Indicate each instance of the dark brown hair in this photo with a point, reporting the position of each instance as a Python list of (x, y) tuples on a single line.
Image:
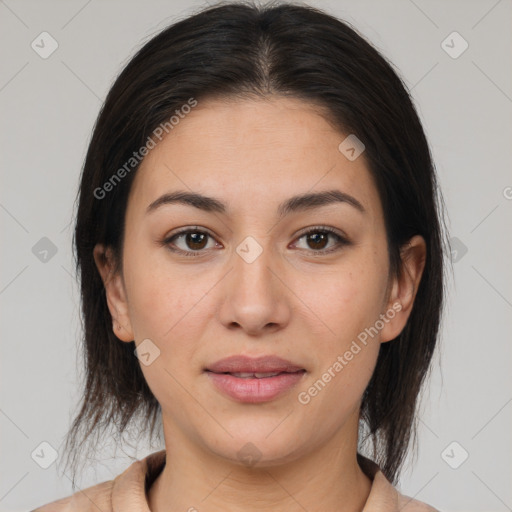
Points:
[(244, 50)]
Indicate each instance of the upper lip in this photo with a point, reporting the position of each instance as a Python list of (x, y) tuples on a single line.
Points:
[(262, 364)]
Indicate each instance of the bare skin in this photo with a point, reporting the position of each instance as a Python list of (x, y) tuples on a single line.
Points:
[(292, 301)]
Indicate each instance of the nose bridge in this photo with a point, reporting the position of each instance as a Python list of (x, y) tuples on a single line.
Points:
[(252, 260), (253, 299)]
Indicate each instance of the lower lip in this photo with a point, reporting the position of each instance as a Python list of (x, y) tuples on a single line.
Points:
[(253, 390)]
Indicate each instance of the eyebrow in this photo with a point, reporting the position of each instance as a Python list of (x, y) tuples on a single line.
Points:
[(294, 204)]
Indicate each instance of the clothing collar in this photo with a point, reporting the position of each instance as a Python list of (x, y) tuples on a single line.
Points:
[(130, 488)]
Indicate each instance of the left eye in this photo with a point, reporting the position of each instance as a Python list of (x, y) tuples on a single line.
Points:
[(318, 239)]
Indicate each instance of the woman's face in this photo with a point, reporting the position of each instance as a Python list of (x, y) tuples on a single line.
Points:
[(249, 281)]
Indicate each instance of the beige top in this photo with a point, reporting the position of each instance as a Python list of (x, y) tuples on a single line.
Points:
[(128, 491)]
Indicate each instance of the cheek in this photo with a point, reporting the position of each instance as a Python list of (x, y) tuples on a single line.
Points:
[(162, 301), (346, 358), (169, 308), (348, 299), (349, 303)]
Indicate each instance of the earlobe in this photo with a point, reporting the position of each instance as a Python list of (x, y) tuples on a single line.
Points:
[(115, 292), (404, 287)]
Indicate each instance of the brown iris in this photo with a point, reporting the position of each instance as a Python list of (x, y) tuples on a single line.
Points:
[(196, 241), (318, 240)]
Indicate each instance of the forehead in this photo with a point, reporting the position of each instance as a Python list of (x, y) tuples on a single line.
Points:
[(252, 152)]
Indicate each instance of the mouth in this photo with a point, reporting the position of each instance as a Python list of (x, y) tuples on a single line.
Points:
[(255, 375), (253, 365), (254, 380)]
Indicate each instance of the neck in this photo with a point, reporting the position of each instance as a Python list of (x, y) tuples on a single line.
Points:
[(327, 479)]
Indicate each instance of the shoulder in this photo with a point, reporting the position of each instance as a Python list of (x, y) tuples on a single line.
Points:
[(121, 493), (94, 498), (386, 497), (407, 504)]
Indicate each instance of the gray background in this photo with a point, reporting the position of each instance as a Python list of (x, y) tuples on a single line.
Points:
[(48, 110)]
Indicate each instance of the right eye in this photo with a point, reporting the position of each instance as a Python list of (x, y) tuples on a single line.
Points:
[(192, 241)]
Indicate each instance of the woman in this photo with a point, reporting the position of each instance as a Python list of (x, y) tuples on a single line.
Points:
[(261, 260)]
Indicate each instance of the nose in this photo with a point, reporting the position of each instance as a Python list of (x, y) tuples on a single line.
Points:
[(255, 298)]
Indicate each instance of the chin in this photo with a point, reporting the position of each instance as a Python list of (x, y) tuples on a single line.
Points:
[(258, 444)]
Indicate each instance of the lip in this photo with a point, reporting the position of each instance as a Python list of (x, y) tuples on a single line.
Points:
[(254, 390), (262, 364)]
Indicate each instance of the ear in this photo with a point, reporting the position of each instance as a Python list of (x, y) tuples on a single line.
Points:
[(404, 287), (115, 293)]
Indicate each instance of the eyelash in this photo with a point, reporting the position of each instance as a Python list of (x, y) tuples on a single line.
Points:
[(342, 241)]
